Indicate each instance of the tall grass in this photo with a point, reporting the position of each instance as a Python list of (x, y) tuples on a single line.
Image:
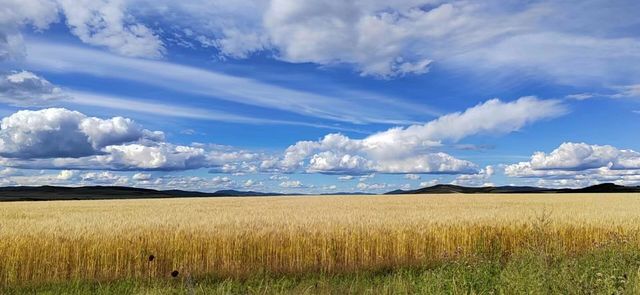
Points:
[(48, 242)]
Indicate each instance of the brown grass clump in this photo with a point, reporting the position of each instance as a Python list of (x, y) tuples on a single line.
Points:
[(237, 237)]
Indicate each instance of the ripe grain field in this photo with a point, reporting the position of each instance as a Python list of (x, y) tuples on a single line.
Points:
[(240, 238)]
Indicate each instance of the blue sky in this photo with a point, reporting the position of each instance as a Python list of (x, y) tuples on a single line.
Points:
[(319, 96)]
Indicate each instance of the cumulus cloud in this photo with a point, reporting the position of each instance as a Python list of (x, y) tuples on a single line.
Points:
[(58, 138), (162, 156), (218, 180), (372, 187), (411, 149), (291, 184), (63, 139), (107, 23), (25, 88), (141, 176), (582, 156), (104, 177), (278, 177), (67, 175), (192, 183), (339, 154), (580, 163), (64, 178), (250, 183), (16, 14), (482, 178), (57, 132), (412, 176)]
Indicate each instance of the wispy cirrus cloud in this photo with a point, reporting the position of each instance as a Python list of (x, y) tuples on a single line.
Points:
[(150, 106), (350, 106), (24, 88)]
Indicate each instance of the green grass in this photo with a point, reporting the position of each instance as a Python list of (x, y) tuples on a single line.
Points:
[(608, 270)]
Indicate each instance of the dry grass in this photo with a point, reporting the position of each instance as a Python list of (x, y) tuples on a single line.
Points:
[(236, 237)]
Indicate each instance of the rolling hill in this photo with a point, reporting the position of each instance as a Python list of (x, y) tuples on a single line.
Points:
[(49, 193), (456, 189)]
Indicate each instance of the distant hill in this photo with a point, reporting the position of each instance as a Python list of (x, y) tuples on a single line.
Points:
[(456, 189), (35, 193), (50, 193)]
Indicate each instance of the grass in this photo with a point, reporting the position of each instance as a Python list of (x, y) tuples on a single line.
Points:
[(602, 271), (473, 244)]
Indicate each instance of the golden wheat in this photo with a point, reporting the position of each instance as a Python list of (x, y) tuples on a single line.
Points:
[(235, 237)]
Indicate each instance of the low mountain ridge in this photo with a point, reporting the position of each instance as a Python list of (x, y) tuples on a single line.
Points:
[(50, 193), (456, 189)]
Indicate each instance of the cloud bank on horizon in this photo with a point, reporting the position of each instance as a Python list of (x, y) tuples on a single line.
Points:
[(319, 96)]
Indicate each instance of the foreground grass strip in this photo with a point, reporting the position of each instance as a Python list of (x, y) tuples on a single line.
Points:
[(611, 270)]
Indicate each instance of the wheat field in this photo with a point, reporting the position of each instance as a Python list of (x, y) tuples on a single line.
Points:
[(237, 237)]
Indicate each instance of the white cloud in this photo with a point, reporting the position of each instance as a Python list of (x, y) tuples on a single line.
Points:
[(412, 176), (218, 180), (372, 187), (26, 88), (65, 178), (332, 187), (162, 156), (59, 138), (106, 23), (67, 174), (481, 178), (382, 38), (429, 183), (579, 164), (291, 184), (141, 176), (278, 177), (10, 172), (411, 149), (59, 132), (492, 117), (406, 186), (628, 91), (250, 183), (104, 177), (367, 176), (16, 14), (146, 106), (391, 39), (100, 23), (570, 41), (580, 96), (63, 139), (582, 156), (344, 105), (345, 177)]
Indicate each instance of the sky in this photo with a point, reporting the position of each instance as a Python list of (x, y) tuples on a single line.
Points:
[(319, 96)]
